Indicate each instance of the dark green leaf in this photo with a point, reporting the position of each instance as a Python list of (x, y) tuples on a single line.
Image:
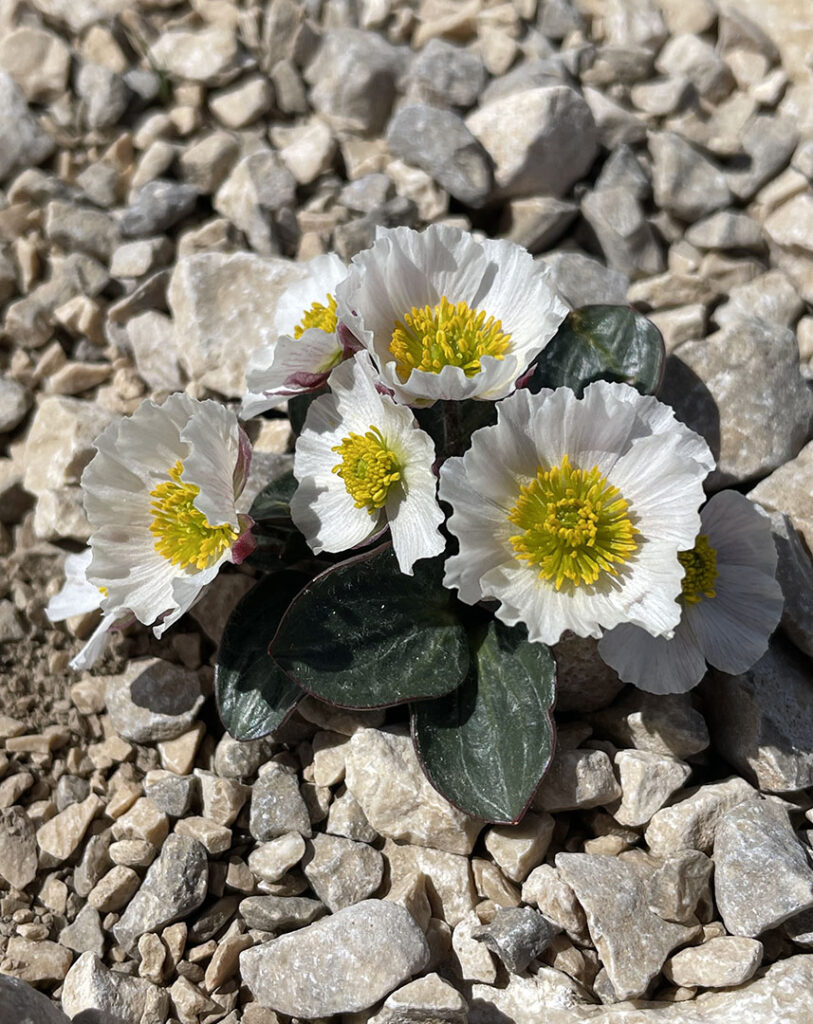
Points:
[(451, 424), (253, 694), (274, 500), (602, 343), (298, 409), (486, 746), (365, 635)]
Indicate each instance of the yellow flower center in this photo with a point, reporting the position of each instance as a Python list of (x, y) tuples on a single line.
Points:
[(446, 335), (368, 467), (575, 525), (319, 315), (182, 533), (700, 565)]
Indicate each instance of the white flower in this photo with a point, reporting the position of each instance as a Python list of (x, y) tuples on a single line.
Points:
[(730, 601), (160, 496), (447, 317), (78, 597), (571, 512), (307, 344), (362, 464)]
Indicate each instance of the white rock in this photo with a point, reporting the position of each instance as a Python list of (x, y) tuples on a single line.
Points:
[(22, 142), (60, 442), (153, 700), (210, 56), (691, 823), (38, 61), (719, 963), (577, 779), (89, 985), (647, 782)]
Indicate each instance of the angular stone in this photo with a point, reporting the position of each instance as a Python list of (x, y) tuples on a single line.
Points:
[(280, 913), (517, 935), (59, 443), (647, 782), (24, 1005), (143, 820), (691, 823), (22, 142), (37, 962), (448, 151), (519, 848), (537, 222), (346, 818), (38, 61), (448, 878), (770, 741), (795, 575), (277, 806), (719, 963), (741, 388), (214, 837), (444, 74), (583, 281), (113, 891), (577, 779), (678, 885), (771, 296), (340, 871), (616, 125), (726, 230), (259, 186), (206, 293), (624, 234), (684, 181), (153, 700), (84, 934), (90, 986), (762, 874), (271, 860), (210, 56), (474, 961), (341, 964), (427, 1000), (241, 104), (541, 140), (408, 808), (308, 150), (172, 794), (59, 837), (158, 206), (174, 886), (18, 848), (768, 141), (613, 896), (152, 342), (696, 59), (222, 799)]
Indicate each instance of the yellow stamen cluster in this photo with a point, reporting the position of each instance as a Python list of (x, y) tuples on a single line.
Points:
[(182, 533), (446, 335), (700, 565), (319, 315), (368, 467), (575, 525)]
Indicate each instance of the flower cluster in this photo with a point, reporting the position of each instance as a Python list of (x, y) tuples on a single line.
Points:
[(567, 511)]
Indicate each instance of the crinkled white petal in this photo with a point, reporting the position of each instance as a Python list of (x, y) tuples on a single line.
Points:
[(320, 278), (77, 596), (97, 641), (133, 456), (323, 509), (405, 269), (653, 663), (291, 367), (659, 475)]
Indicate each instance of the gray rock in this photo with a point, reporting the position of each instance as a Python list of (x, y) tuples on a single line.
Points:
[(530, 74), (582, 281), (22, 142), (174, 886), (770, 296), (685, 182), (768, 740), (623, 170), (158, 206), (18, 848), (447, 151), (237, 759), (172, 794), (537, 222), (662, 723), (38, 61), (661, 96), (762, 875), (726, 230), (210, 56), (84, 934), (280, 913), (613, 64), (277, 807), (103, 96), (346, 818), (517, 935), (742, 390), (342, 964), (577, 779), (616, 125), (691, 823), (70, 790), (258, 187), (24, 1005), (223, 307), (152, 342), (340, 871), (445, 75), (624, 234), (584, 682), (768, 142), (697, 60), (427, 1000), (15, 401), (206, 164), (115, 997), (633, 943), (795, 575), (78, 228), (541, 141), (100, 184), (408, 809), (367, 193), (719, 963), (353, 79), (677, 886), (153, 700)]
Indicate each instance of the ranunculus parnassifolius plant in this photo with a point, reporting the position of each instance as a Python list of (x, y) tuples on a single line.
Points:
[(363, 464), (307, 344), (446, 316), (730, 604), (161, 495), (571, 512)]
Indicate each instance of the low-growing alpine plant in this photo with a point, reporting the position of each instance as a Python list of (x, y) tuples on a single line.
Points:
[(477, 472)]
